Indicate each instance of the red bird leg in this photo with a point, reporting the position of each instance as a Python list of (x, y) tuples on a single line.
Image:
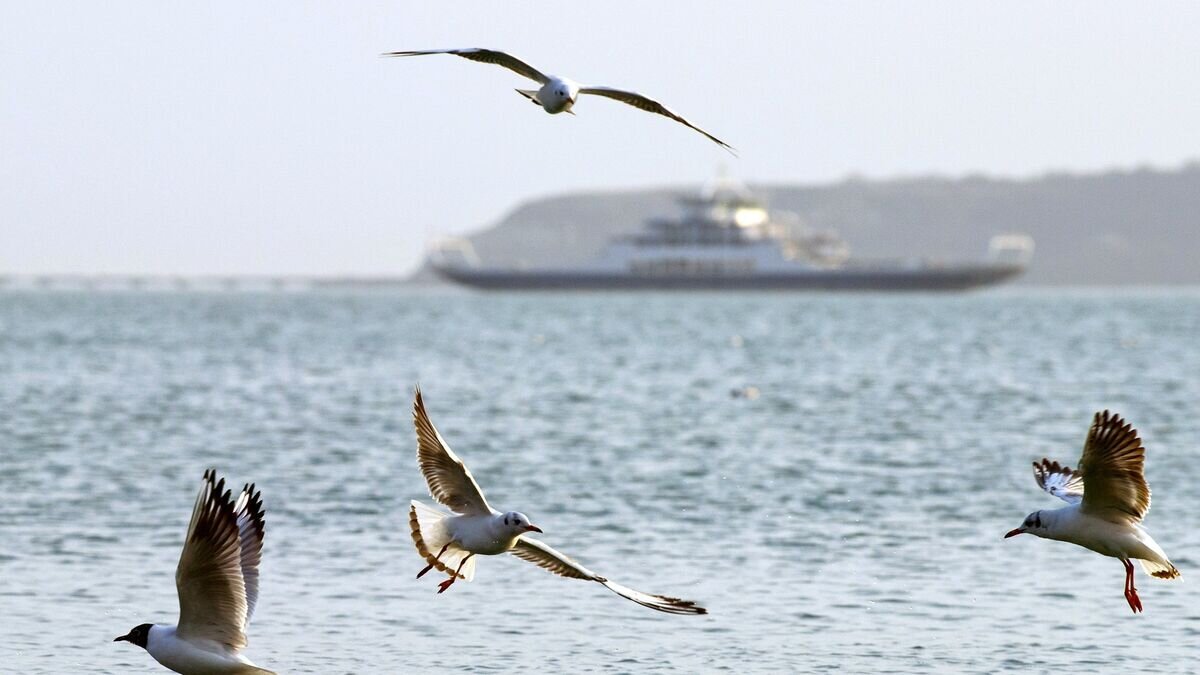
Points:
[(446, 584), (430, 565), (1132, 593), (1131, 596)]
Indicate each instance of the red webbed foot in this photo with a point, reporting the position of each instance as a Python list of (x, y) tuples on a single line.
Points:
[(1135, 603)]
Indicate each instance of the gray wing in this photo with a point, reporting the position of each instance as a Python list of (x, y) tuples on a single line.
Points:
[(450, 482), (1061, 481), (251, 528), (212, 590), (485, 56), (547, 558), (650, 105), (1112, 463)]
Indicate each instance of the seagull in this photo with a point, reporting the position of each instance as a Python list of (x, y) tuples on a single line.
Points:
[(1108, 497), (451, 542), (217, 581), (558, 94)]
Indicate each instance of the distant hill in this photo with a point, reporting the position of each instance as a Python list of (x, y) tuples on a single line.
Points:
[(1120, 227)]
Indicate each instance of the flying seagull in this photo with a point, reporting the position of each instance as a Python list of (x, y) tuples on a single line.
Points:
[(558, 94), (217, 581), (1108, 497), (451, 542)]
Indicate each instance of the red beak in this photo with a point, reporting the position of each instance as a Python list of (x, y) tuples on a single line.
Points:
[(1014, 533), (533, 528)]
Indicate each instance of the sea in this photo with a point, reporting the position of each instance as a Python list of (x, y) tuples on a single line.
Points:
[(830, 475)]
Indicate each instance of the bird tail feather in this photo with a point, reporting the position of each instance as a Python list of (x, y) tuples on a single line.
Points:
[(1160, 570), (430, 534)]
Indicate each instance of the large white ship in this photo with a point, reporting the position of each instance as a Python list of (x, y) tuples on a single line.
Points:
[(727, 239)]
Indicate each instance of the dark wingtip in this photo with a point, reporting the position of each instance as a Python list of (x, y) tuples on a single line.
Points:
[(680, 606), (1111, 420), (690, 607), (418, 402), (1107, 417)]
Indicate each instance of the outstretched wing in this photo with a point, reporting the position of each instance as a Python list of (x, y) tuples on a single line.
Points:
[(212, 590), (547, 558), (449, 480), (485, 56), (251, 528), (650, 105), (1061, 481), (1111, 465)]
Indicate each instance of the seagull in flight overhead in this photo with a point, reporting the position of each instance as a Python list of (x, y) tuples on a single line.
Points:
[(558, 94), (451, 542), (1108, 497), (217, 581)]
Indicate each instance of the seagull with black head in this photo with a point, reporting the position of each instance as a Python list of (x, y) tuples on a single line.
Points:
[(1107, 499), (217, 582)]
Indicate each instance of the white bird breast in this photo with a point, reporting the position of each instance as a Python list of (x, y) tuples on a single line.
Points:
[(182, 656), (558, 94)]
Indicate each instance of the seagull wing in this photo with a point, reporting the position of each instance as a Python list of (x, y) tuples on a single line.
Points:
[(486, 56), (650, 105), (212, 590), (251, 528), (1111, 465), (450, 482), (547, 558), (1061, 481)]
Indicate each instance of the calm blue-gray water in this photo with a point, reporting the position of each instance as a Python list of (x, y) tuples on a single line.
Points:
[(848, 519)]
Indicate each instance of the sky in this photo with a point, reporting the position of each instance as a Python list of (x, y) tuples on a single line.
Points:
[(166, 137)]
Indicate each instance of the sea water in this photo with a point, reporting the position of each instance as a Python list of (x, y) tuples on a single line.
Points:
[(830, 475)]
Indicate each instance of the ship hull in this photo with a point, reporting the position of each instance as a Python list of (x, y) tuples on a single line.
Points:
[(951, 278)]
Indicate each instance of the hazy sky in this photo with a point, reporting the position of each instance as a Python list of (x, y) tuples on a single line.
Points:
[(270, 138)]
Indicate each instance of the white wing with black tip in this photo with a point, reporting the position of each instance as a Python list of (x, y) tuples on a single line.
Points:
[(547, 558), (648, 104), (1112, 468), (251, 529), (209, 579), (485, 56), (449, 480), (1061, 481)]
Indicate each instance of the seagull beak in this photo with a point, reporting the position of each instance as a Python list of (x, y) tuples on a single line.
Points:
[(533, 528), (1014, 533), (123, 638)]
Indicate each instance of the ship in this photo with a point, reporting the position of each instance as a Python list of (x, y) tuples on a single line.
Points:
[(726, 239)]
